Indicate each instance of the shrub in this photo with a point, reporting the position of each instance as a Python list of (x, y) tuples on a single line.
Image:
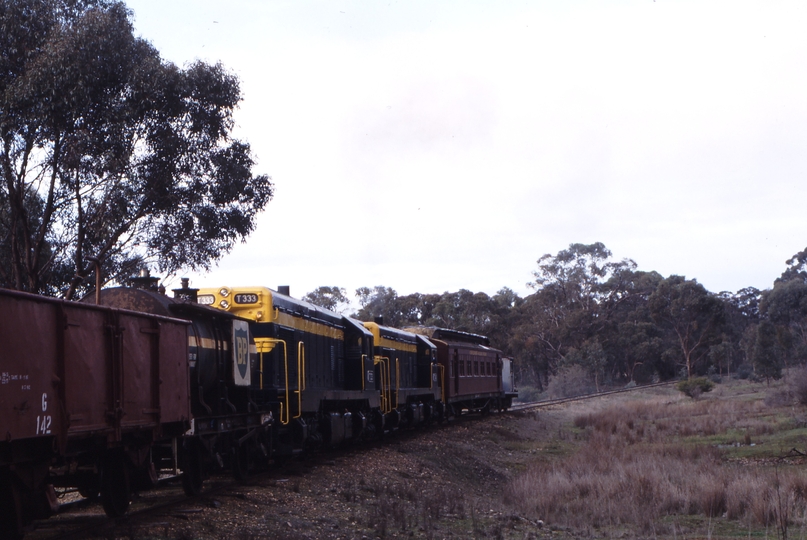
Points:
[(528, 393), (569, 382), (695, 387), (744, 371)]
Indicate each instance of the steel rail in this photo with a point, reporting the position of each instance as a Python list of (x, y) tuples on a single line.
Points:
[(558, 401)]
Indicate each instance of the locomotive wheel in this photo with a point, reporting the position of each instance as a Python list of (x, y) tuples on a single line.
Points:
[(115, 488), (10, 508), (192, 478)]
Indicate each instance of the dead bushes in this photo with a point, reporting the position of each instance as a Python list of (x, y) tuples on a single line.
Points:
[(637, 467)]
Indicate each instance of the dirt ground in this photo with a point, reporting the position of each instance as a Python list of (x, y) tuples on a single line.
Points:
[(467, 479), (442, 482)]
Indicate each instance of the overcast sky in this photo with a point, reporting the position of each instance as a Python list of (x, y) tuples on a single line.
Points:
[(431, 146)]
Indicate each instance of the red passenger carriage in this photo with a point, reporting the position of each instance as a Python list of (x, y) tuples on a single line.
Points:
[(472, 370)]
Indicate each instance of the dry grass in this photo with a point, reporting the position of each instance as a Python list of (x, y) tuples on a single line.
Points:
[(643, 462)]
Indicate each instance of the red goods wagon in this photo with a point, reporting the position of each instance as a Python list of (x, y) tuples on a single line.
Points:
[(84, 393)]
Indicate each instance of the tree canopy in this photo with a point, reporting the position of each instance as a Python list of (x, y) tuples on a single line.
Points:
[(108, 151), (332, 298), (602, 317)]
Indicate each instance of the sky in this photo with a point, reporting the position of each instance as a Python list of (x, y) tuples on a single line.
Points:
[(433, 146)]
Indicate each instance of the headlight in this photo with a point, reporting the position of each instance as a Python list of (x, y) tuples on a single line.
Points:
[(224, 292), (224, 304)]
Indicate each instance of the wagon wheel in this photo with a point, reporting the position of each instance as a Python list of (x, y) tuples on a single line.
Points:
[(115, 488), (192, 473), (10, 508), (147, 476)]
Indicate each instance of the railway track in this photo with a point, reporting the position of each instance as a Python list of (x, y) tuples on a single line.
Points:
[(86, 519), (549, 402)]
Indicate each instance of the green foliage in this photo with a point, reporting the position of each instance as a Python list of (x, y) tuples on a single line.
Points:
[(695, 386), (617, 324), (332, 298), (692, 313), (766, 357), (796, 268), (108, 151), (462, 310)]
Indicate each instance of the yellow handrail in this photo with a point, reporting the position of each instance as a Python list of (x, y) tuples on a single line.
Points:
[(384, 385), (376, 362), (386, 399), (389, 384), (397, 383), (301, 360), (443, 382), (300, 377), (263, 343)]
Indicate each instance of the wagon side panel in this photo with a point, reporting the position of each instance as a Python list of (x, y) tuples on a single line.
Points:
[(86, 378), (139, 353), (29, 370), (175, 402)]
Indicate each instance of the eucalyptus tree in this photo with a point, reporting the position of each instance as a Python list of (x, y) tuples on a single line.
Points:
[(109, 152), (576, 289), (786, 307), (692, 313), (766, 355), (332, 298)]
